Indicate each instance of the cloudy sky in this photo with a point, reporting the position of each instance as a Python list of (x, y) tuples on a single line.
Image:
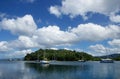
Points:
[(92, 26)]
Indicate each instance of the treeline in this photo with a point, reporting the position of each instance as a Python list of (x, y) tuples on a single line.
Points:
[(60, 55), (117, 58)]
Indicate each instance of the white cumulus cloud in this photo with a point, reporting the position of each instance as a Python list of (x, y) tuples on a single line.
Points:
[(115, 18), (52, 35), (95, 32), (23, 42), (19, 54), (21, 25), (115, 42), (4, 46), (75, 8), (54, 10), (99, 50)]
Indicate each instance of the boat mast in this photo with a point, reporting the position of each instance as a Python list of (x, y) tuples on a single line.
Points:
[(37, 56), (82, 56), (107, 52), (44, 55)]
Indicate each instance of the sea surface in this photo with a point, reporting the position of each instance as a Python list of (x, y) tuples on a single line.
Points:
[(59, 70)]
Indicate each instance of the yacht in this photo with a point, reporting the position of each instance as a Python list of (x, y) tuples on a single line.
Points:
[(82, 59), (107, 60), (44, 62)]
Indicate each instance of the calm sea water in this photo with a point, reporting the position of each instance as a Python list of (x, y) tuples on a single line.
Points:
[(59, 70)]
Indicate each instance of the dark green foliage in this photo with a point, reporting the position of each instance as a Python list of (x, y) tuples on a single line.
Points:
[(61, 55), (117, 58), (96, 59)]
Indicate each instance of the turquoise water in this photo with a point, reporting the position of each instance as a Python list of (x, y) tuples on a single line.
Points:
[(59, 70)]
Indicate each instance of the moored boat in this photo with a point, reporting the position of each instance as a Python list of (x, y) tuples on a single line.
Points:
[(81, 60), (107, 60), (44, 62)]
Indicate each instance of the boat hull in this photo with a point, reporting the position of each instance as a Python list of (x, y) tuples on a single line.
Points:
[(106, 61), (44, 62), (81, 60)]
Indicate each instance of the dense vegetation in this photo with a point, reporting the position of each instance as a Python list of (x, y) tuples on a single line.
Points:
[(61, 55), (66, 55), (117, 58)]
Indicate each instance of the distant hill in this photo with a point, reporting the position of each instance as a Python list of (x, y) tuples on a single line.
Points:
[(112, 56)]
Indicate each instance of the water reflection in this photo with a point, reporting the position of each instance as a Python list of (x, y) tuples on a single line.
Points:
[(58, 71), (104, 70), (75, 70), (56, 68)]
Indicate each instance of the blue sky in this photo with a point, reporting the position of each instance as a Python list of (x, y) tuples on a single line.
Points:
[(82, 25)]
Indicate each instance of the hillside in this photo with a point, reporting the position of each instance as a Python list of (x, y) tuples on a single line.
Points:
[(61, 55)]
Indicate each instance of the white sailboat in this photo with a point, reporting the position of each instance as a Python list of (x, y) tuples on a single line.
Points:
[(106, 60), (82, 59), (44, 61)]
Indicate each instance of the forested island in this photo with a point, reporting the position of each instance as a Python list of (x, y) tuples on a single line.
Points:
[(60, 55)]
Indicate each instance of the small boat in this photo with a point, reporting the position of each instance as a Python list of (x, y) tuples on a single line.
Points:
[(44, 62), (107, 60), (81, 60)]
